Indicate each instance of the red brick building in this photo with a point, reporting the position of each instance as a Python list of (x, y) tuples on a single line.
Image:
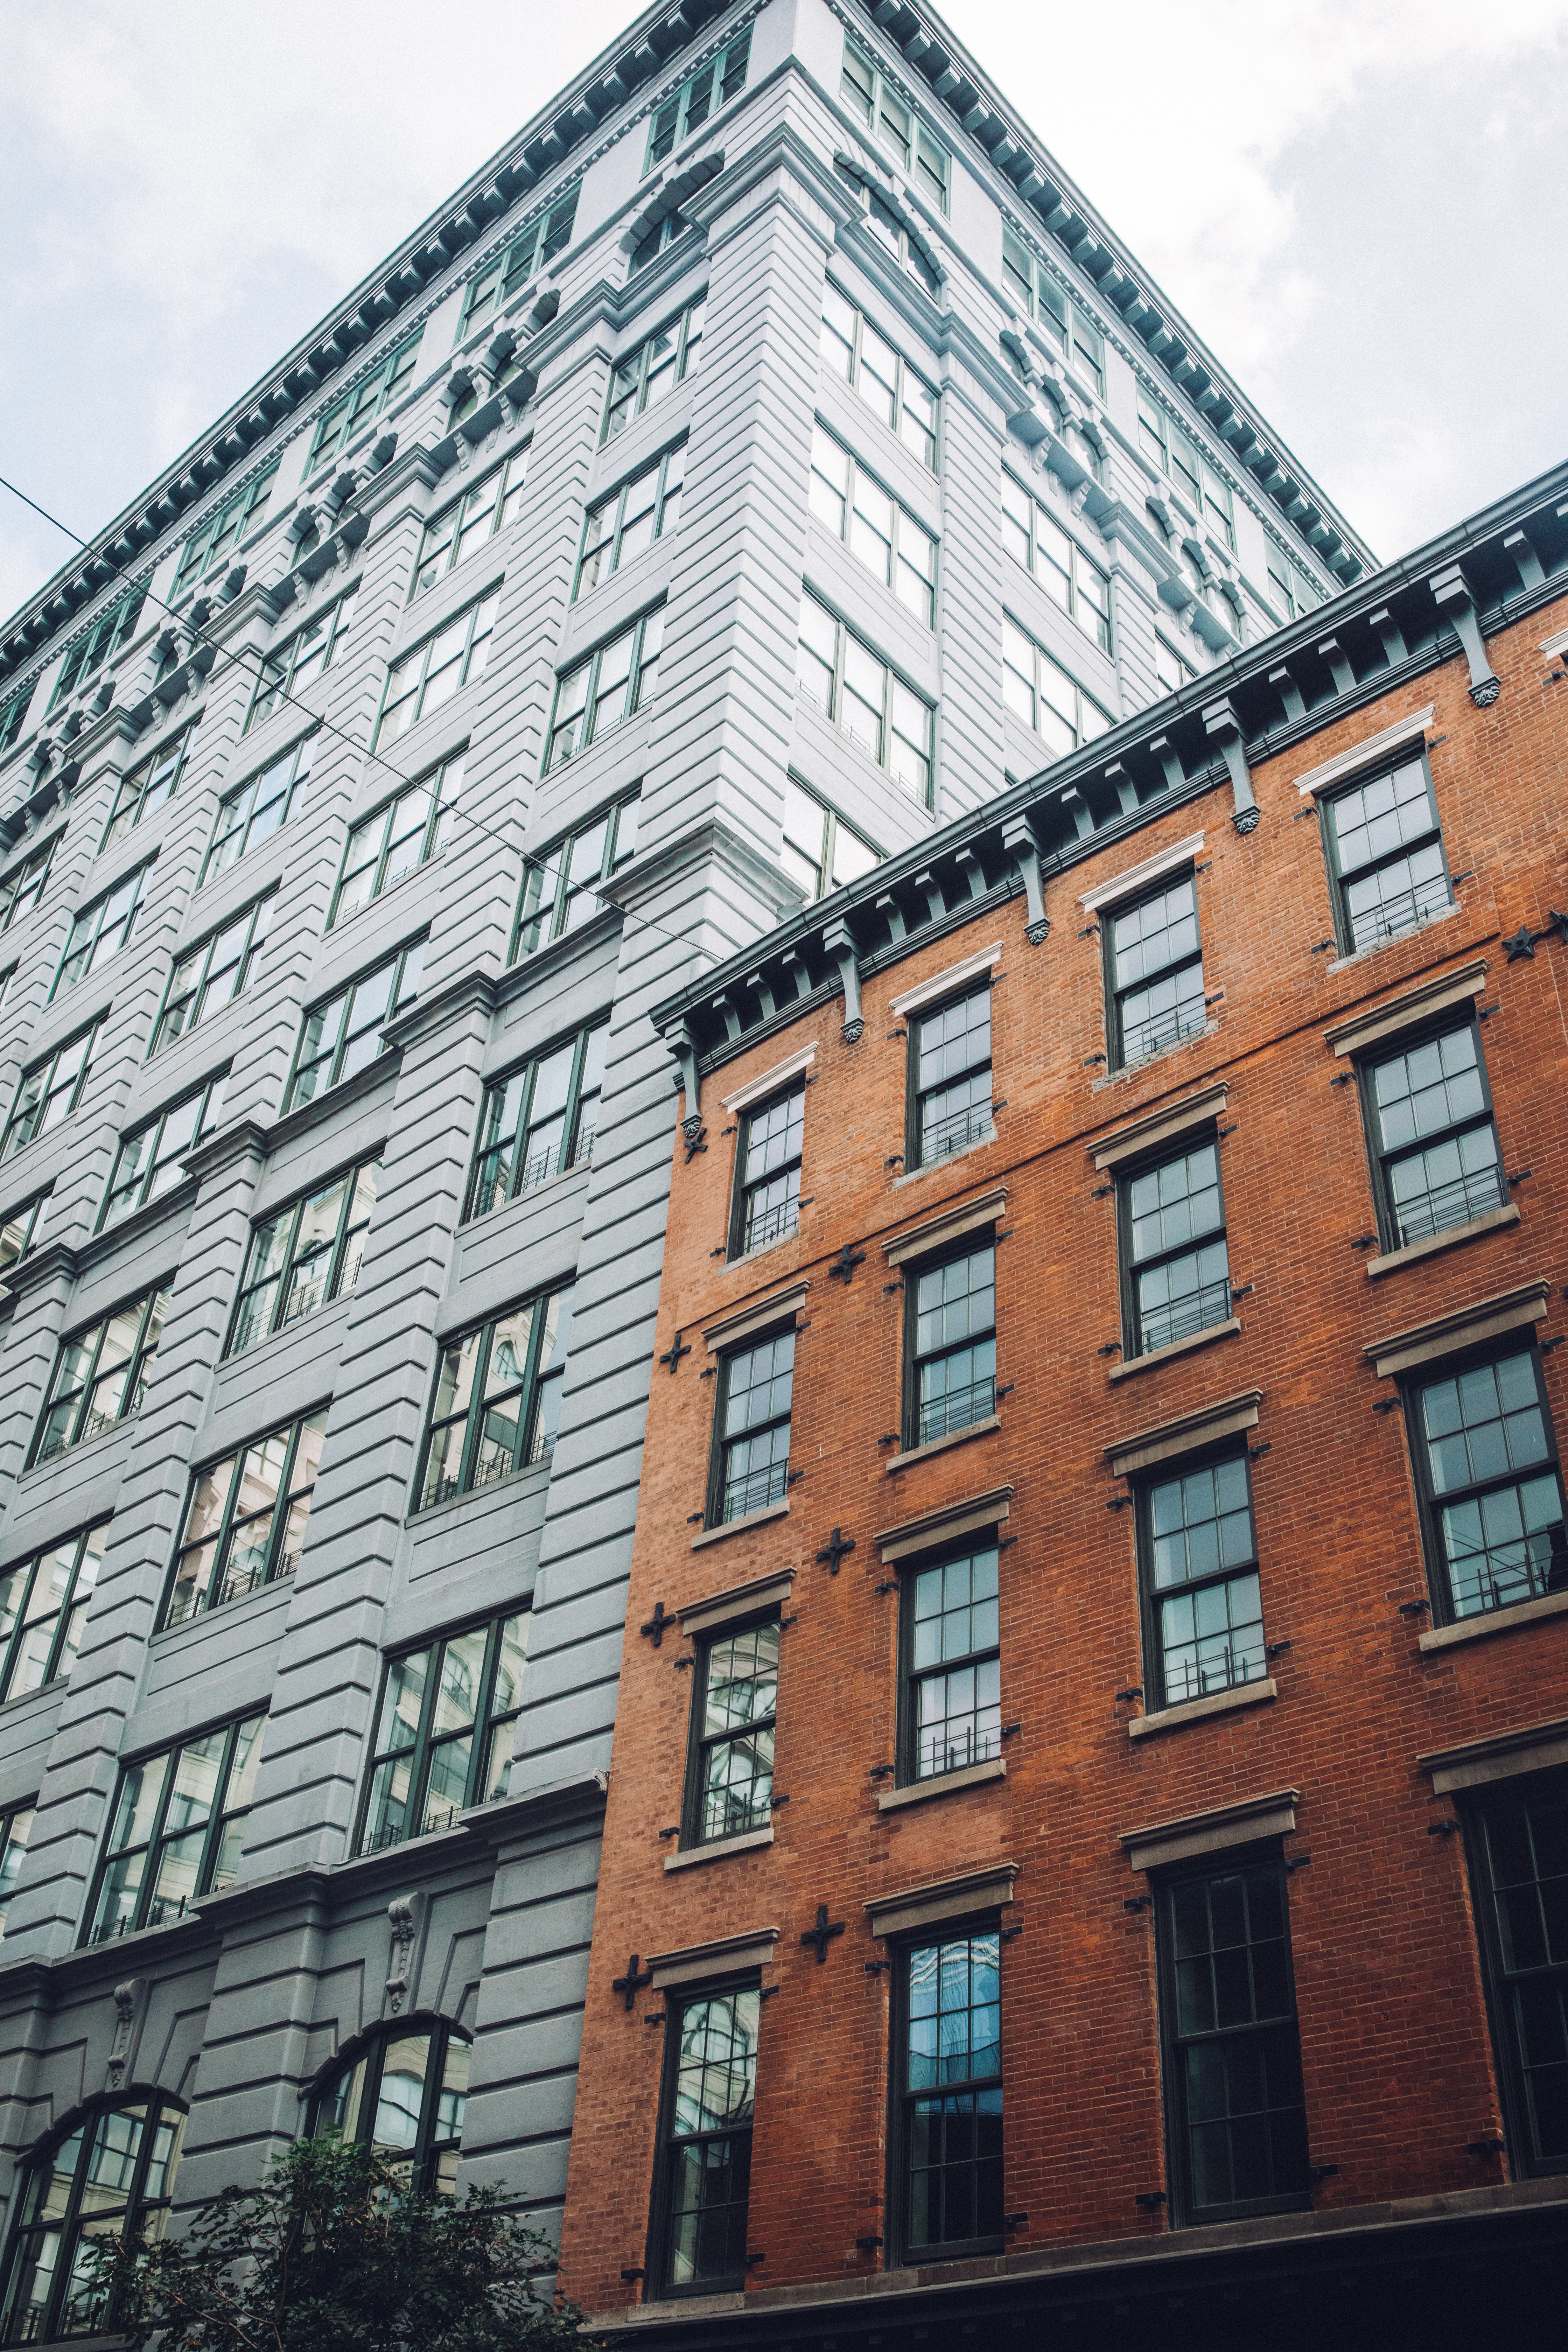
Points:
[(1090, 1807)]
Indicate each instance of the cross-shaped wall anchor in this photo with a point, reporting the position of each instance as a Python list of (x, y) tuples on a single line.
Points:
[(673, 1354), (656, 1623), (694, 1144), (844, 1265), (834, 1549), (631, 1984), (822, 1933)]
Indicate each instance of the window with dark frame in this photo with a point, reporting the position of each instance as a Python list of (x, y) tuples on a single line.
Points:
[(245, 1519), (1436, 1162), (1203, 1602), (303, 1257), (1517, 1849), (734, 1704), (22, 1228), (950, 1078), (560, 885), (148, 1160), (538, 1122), (99, 931), (1386, 860), (255, 808), (1490, 1488), (395, 839), (42, 1608), (15, 1827), (110, 2176), (301, 660), (100, 1376), (950, 1653), (620, 527), (701, 95), (13, 714), (1175, 1260), (485, 509), (114, 628), (22, 885), (1154, 970), (706, 2102), (767, 1171), (947, 2095), (751, 1428), (496, 1401), (177, 1830), (1235, 2105), (920, 154), (649, 373), (594, 696), (144, 788), (444, 1730), (342, 1035), (362, 403), (668, 230), (431, 673), (211, 974), (540, 241), (404, 2092), (50, 1091), (950, 1344)]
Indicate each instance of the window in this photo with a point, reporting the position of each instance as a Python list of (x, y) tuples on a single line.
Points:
[(23, 1229), (594, 697), (148, 1160), (102, 929), (1178, 457), (22, 885), (344, 1036), (900, 399), (1156, 973), (1386, 855), (301, 658), (444, 1733), (654, 369), (1486, 1467), (397, 838), (704, 2170), (1039, 691), (1233, 2061), (1293, 590), (893, 229), (212, 973), (304, 1257), (699, 96), (1205, 1613), (873, 526), (1028, 282), (668, 230), (948, 2086), (767, 1171), (245, 1520), (15, 1828), (112, 2177), (50, 1091), (362, 403), (540, 241), (1175, 1264), (559, 887), (730, 1771), (1057, 560), (42, 1608), (751, 1427), (429, 676), (404, 2093), (483, 510), (865, 698), (100, 1376), (110, 632), (949, 1079), (1435, 1146), (13, 715), (621, 526), (922, 157), (177, 1830), (253, 810), (951, 1341), (146, 787), (1518, 1852), (950, 1648), (496, 1401), (538, 1123), (821, 853), (1172, 670), (233, 519)]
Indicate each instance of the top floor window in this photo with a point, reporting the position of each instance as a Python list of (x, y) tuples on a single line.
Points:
[(102, 929), (1386, 855), (363, 403), (1156, 972), (821, 853), (112, 2178), (509, 272), (301, 660), (230, 522), (144, 789), (13, 714), (108, 633), (702, 94), (668, 230), (559, 886), (950, 1065), (767, 1169), (1291, 591), (22, 884), (1028, 282), (1178, 457), (894, 125), (1057, 560), (482, 510), (647, 374), (897, 396)]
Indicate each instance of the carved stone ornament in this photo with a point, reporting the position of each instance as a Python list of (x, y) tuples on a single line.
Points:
[(1486, 694), (401, 1912), (126, 1998)]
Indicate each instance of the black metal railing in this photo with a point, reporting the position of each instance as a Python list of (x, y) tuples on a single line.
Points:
[(1453, 1204), (1195, 1310), (955, 1131), (755, 1489), (771, 1224), (1142, 1038), (1401, 912), (958, 1408)]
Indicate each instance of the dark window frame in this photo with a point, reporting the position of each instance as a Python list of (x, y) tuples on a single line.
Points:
[(1340, 879), (1128, 1268), (912, 1677), (633, 400), (661, 2207), (1380, 1161), (552, 865), (714, 84), (1157, 1693), (437, 558), (345, 1232), (214, 1594), (278, 676), (370, 2048), (966, 1246), (914, 1094), (613, 507), (223, 527), (138, 1365), (14, 712), (700, 1743), (30, 1214), (576, 1145), (715, 1515), (158, 2107), (102, 639), (902, 2249), (641, 684), (22, 884), (68, 1616), (544, 237), (86, 948), (15, 1827), (1116, 993), (126, 814), (49, 1064), (301, 751), (257, 916), (485, 1725), (363, 403), (534, 1444), (221, 1817), (442, 784), (399, 997), (786, 1213), (1429, 1504), (1478, 1807), (144, 1187)]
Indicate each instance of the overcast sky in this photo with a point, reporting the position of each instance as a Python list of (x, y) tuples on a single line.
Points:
[(1360, 203)]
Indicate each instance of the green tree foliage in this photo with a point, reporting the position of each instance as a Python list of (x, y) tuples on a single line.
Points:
[(332, 2254)]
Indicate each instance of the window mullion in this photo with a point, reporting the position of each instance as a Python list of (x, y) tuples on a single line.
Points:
[(216, 1817), (419, 1775), (155, 1838), (475, 1407)]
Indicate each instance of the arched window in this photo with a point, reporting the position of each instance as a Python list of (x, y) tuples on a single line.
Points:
[(112, 2175), (403, 2088)]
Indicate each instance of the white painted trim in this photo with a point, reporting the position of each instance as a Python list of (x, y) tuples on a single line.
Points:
[(1198, 1710), (1552, 647), (746, 1843), (1134, 877), (1417, 1004), (782, 1307), (771, 1080), (946, 982), (1372, 747)]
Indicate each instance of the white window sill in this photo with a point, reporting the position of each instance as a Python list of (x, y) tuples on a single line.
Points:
[(1177, 1348), (941, 1784), (1198, 1710), (718, 1848), (949, 1159), (738, 1526), (941, 1444), (1494, 1620), (1451, 1237)]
